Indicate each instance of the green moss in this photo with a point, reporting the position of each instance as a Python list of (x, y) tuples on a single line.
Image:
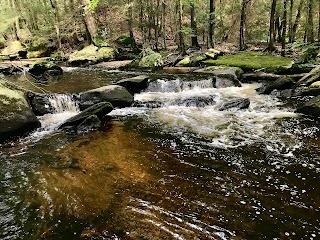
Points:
[(34, 54), (105, 53), (148, 59), (44, 63), (101, 42), (184, 62), (125, 41), (13, 47), (92, 53), (249, 61)]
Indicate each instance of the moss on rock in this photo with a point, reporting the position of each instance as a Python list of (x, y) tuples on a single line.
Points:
[(91, 54), (13, 48), (250, 61), (147, 59)]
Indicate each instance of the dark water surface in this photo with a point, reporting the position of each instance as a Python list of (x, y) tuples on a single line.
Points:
[(174, 172)]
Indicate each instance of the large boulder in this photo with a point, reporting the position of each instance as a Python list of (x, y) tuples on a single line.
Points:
[(118, 96), (91, 54), (310, 78), (89, 119), (135, 84), (311, 108), (8, 69), (282, 83), (16, 116), (236, 103), (148, 59), (44, 69)]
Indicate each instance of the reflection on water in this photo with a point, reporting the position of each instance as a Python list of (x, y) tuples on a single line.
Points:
[(168, 169)]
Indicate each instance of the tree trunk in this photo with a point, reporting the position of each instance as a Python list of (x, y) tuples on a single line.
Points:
[(242, 24), (297, 21), (164, 34), (56, 22), (271, 27), (290, 21), (182, 47), (141, 22), (89, 21), (309, 28), (194, 36), (319, 24), (284, 28), (212, 23)]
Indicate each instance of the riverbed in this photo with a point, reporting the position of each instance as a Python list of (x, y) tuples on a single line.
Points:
[(172, 166)]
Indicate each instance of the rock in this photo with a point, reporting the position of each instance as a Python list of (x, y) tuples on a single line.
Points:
[(8, 69), (40, 104), (45, 68), (148, 59), (199, 101), (193, 60), (237, 103), (90, 55), (91, 123), (135, 84), (222, 71), (310, 78), (306, 91), (177, 70), (16, 116), (315, 84), (118, 96), (262, 76), (87, 119), (311, 108), (213, 53), (13, 48), (126, 41), (281, 83)]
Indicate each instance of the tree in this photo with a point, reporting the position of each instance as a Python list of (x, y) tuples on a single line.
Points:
[(212, 23), (271, 26), (194, 34), (309, 25), (284, 28), (89, 19), (242, 24), (296, 22)]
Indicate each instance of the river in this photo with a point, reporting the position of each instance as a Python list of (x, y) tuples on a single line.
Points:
[(171, 167)]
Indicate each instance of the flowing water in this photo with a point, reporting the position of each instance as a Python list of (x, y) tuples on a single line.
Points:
[(173, 166)]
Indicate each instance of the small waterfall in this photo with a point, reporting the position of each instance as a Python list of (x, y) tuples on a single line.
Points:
[(178, 85), (63, 103)]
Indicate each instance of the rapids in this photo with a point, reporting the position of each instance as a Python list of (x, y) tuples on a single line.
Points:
[(172, 166)]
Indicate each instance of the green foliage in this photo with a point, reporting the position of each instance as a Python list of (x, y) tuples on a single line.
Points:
[(249, 61), (148, 59)]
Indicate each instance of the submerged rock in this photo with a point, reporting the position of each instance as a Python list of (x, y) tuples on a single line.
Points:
[(16, 116), (135, 84), (89, 119), (8, 69), (118, 96), (311, 108), (236, 103)]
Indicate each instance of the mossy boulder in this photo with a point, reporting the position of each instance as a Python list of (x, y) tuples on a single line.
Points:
[(13, 48), (45, 68), (193, 60), (311, 108), (148, 59), (16, 116), (36, 54), (126, 41), (311, 77), (252, 61), (118, 96), (90, 55)]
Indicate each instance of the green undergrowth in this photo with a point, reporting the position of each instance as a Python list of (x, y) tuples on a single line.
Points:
[(251, 61)]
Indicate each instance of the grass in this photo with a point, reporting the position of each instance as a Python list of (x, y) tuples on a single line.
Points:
[(250, 61)]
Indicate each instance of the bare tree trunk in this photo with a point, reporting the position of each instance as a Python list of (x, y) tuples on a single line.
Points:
[(297, 21), (271, 29), (212, 23), (284, 28), (194, 36), (141, 22), (309, 26), (56, 22), (319, 24)]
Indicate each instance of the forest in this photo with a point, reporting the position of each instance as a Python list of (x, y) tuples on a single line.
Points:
[(63, 25)]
